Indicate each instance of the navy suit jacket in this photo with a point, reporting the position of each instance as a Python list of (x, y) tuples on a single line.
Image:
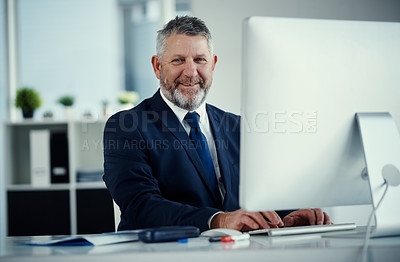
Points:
[(154, 173)]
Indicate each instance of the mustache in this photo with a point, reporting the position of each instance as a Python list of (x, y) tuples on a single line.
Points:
[(189, 81)]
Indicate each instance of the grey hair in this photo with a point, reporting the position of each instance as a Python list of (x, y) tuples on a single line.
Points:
[(187, 25)]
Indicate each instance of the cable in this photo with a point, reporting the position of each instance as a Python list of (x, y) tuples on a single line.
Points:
[(368, 234)]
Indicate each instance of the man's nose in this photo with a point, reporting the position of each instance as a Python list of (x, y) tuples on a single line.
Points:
[(190, 68)]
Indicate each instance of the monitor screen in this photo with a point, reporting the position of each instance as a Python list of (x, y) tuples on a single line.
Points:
[(303, 82)]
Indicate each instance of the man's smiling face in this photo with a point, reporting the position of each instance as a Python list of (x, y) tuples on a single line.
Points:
[(185, 70)]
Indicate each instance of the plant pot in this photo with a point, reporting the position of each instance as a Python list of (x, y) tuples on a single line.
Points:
[(69, 113), (28, 113)]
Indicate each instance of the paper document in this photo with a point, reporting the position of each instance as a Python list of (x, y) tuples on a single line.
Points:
[(87, 240)]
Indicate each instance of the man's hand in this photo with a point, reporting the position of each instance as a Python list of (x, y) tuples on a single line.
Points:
[(243, 220), (305, 217)]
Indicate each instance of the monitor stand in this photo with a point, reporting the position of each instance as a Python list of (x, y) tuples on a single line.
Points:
[(381, 143)]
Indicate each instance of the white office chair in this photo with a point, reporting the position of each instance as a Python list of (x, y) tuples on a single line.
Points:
[(117, 215)]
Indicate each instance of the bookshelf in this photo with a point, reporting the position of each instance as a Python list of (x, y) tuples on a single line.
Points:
[(78, 205)]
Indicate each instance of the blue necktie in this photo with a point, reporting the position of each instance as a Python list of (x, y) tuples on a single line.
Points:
[(200, 143)]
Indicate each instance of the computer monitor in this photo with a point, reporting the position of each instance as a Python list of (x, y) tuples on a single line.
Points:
[(304, 81)]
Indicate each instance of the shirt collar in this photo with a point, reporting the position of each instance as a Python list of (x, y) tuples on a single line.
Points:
[(181, 113)]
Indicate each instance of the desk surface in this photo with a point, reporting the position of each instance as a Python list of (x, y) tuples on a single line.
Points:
[(326, 247)]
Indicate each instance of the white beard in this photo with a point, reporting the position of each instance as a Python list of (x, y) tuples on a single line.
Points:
[(182, 101)]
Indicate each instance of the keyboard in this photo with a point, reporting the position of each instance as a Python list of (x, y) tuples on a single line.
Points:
[(284, 231)]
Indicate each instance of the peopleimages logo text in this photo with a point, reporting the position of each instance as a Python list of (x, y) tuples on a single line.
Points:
[(280, 121)]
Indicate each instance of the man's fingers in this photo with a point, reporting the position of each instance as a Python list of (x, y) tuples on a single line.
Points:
[(259, 219), (304, 217), (289, 221), (293, 220), (327, 219), (235, 220), (319, 217), (273, 217), (322, 217), (273, 225)]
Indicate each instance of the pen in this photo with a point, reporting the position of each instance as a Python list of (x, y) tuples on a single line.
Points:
[(183, 240), (193, 240), (243, 236), (215, 238)]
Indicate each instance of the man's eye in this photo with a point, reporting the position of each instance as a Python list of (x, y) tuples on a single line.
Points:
[(177, 60), (200, 59)]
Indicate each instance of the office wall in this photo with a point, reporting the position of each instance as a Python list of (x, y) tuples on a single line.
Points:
[(70, 47), (3, 111), (224, 18)]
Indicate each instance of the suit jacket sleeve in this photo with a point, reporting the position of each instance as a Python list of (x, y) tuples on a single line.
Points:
[(129, 176)]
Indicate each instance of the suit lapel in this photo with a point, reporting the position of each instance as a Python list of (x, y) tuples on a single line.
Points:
[(220, 144), (172, 124)]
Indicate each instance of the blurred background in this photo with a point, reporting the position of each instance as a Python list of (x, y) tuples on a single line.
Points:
[(93, 50)]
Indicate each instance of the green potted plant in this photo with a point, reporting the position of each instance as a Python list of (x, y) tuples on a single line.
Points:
[(67, 102), (127, 99), (28, 100)]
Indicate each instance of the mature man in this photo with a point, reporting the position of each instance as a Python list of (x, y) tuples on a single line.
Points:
[(173, 159)]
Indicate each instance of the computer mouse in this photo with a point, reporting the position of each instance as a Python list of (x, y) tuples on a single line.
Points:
[(220, 232)]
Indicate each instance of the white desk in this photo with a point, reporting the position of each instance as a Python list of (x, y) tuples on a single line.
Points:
[(259, 248)]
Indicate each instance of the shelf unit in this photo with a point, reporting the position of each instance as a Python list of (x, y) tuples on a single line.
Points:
[(28, 205)]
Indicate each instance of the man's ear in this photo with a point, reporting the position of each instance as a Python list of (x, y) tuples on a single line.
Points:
[(215, 59), (155, 61)]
